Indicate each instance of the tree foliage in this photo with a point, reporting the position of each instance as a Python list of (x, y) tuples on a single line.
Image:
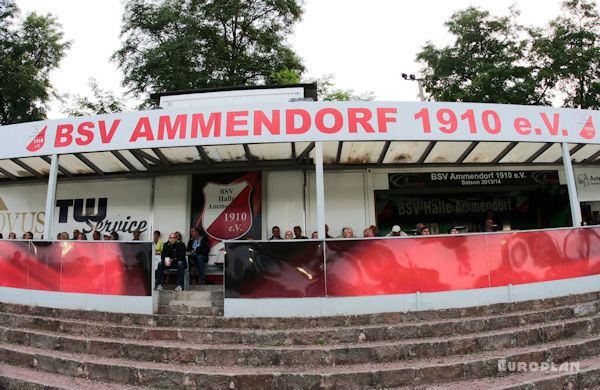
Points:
[(487, 63), (103, 102), (187, 44), (569, 49), (28, 52), (496, 60), (327, 91)]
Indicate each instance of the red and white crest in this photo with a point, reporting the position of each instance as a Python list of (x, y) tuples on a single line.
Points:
[(588, 131), (38, 141), (227, 214)]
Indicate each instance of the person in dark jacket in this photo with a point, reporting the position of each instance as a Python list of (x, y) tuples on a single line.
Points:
[(198, 249), (173, 257), (275, 233)]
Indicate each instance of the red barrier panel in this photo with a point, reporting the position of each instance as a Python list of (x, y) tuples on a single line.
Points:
[(405, 265), (286, 269), (528, 257), (446, 263), (77, 266)]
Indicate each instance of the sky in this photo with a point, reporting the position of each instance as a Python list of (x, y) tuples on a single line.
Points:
[(366, 45)]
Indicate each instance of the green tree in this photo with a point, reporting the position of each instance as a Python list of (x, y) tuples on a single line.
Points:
[(568, 52), (327, 91), (487, 63), (187, 44), (103, 102), (28, 52)]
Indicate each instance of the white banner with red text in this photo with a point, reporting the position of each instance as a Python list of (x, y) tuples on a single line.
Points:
[(300, 121)]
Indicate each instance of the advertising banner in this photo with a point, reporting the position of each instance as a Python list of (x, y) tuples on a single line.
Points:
[(511, 177), (548, 207), (298, 122), (588, 184), (22, 209), (120, 206), (227, 207)]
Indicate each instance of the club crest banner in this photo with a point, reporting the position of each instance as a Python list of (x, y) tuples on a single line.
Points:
[(227, 206), (227, 213)]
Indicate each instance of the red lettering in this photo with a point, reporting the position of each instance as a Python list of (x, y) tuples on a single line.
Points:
[(447, 118), (273, 125), (232, 122), (552, 127), (63, 135), (469, 116), (164, 125), (338, 120), (143, 129), (106, 138), (486, 115), (424, 116), (522, 126), (214, 122), (85, 130), (383, 119), (354, 120), (290, 121)]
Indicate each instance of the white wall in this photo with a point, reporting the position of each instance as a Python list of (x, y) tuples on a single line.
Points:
[(172, 205), (284, 201), (347, 200), (243, 96)]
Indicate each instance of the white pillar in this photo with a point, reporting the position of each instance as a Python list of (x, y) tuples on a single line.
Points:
[(570, 175), (320, 189), (51, 199)]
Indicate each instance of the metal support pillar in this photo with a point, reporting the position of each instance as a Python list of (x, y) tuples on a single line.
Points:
[(570, 175), (320, 186), (51, 199)]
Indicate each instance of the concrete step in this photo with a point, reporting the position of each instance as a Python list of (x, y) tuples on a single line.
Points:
[(305, 355), (309, 336), (580, 303), (168, 295), (21, 378), (183, 302), (556, 377), (397, 374), (190, 303), (191, 348), (196, 309)]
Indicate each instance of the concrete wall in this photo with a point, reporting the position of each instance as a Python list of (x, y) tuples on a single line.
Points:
[(284, 201), (348, 202), (172, 205)]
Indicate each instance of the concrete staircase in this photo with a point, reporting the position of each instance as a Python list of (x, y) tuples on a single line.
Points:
[(200, 300), (44, 348)]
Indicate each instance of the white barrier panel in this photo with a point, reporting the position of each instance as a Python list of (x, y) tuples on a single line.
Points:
[(322, 307), (75, 301)]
